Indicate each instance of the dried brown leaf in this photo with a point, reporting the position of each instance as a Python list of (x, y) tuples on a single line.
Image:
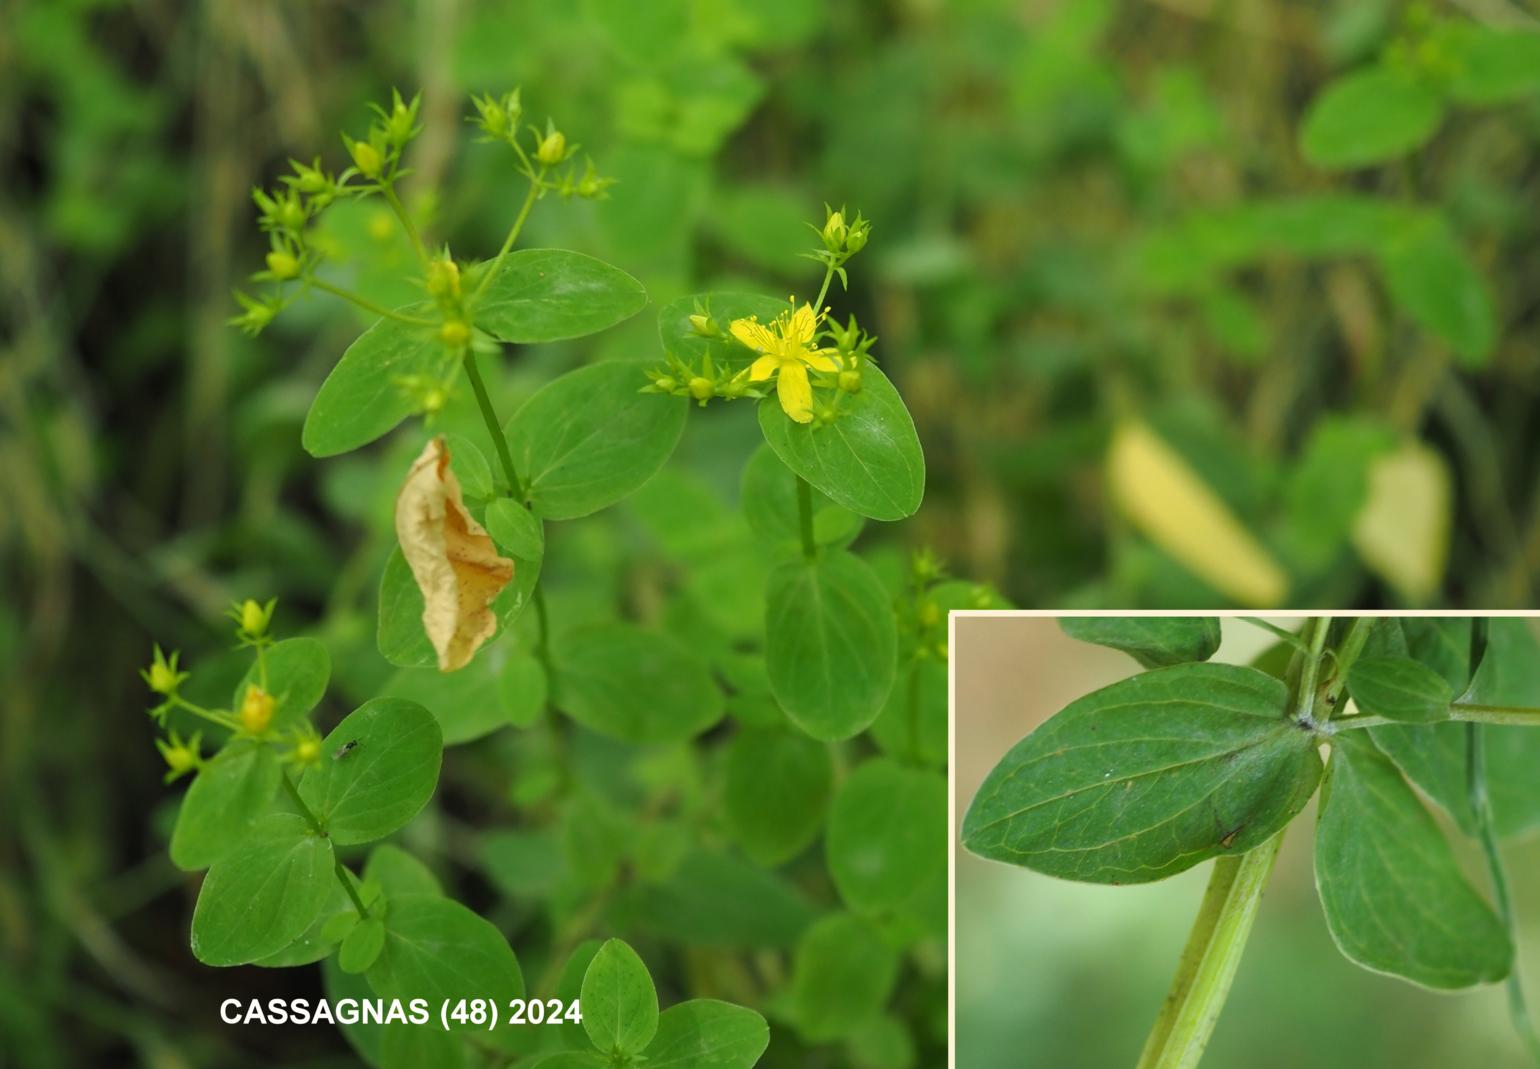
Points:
[(455, 563)]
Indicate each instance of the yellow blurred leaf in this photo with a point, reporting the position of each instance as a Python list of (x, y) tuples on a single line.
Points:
[(1166, 500), (455, 563), (1402, 531)]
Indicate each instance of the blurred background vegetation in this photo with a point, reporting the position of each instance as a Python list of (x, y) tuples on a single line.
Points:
[(1083, 210), (1075, 973)]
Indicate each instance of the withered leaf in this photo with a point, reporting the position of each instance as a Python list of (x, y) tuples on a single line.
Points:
[(455, 563)]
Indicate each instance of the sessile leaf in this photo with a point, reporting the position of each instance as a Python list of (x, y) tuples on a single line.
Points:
[(1153, 641), (1144, 779), (454, 561)]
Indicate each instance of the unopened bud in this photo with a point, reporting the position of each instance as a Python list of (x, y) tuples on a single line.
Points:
[(850, 380), (256, 710), (282, 265), (553, 148)]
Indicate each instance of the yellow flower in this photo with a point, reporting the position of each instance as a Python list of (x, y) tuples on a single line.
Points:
[(787, 352), (256, 709)]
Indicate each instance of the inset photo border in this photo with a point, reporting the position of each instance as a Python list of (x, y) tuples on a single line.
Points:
[(1291, 839)]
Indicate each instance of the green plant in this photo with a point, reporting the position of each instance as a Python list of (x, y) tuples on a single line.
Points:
[(835, 677), (1192, 760)]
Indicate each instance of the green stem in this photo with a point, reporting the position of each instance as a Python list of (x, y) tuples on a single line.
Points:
[(805, 518), (823, 291), (1304, 702), (315, 826), (1519, 715), (1346, 654), (513, 233), (543, 626), (1283, 634), (494, 428), (388, 190), (220, 717), (368, 305), (1481, 805), (1210, 959)]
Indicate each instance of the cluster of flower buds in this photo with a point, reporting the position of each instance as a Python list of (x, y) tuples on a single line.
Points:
[(679, 379), (377, 157), (444, 285), (842, 238), (498, 120), (252, 620)]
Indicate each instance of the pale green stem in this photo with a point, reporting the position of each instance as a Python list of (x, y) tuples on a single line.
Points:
[(1481, 805), (823, 291), (1210, 959), (513, 233), (1346, 654), (494, 428), (1509, 715), (1283, 634), (315, 825), (1304, 703), (220, 717), (805, 518), (368, 305), (387, 189)]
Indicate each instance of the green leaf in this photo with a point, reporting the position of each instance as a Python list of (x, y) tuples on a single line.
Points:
[(842, 974), (436, 949), (620, 1005), (412, 1046), (363, 399), (362, 945), (470, 466), (515, 529), (369, 791), (1434, 756), (831, 644), (590, 438), (633, 685), (776, 789), (320, 939), (1433, 281), (769, 495), (257, 900), (1399, 688), (298, 670), (717, 899), (1146, 778), (475, 700), (707, 1034), (868, 460), (400, 635), (1394, 897), (680, 338), (887, 828), (1153, 641), (223, 803), (524, 688), (543, 295), (363, 1036), (1369, 117), (399, 873), (1492, 66)]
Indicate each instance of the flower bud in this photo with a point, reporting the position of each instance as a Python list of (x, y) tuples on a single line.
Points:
[(162, 678), (553, 148), (433, 400), (701, 388), (444, 278), (705, 326), (256, 710), (366, 158), (307, 751), (665, 384), (282, 265), (834, 231), (850, 380), (454, 333), (855, 239), (253, 619)]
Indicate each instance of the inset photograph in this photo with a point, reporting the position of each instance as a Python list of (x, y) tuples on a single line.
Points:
[(1253, 841)]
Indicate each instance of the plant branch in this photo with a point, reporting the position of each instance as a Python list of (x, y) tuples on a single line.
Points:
[(494, 428), (1518, 715), (388, 190), (1283, 634), (1346, 654), (213, 716), (805, 518), (823, 291), (1481, 805), (346, 879), (366, 304), (1210, 959), (535, 186)]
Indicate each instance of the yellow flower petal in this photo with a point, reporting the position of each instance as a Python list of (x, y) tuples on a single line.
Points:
[(802, 326), (795, 392), (763, 368), (753, 334), (821, 361)]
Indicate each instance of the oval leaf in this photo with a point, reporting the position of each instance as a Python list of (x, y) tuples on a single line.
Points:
[(769, 494), (363, 399), (542, 295), (362, 945), (437, 949), (399, 632), (590, 438), (868, 460), (633, 685), (1144, 779), (620, 1004), (224, 802), (1368, 117), (1394, 897), (370, 789), (842, 974), (831, 644), (257, 900), (777, 788), (1153, 641), (1399, 688), (886, 828), (707, 1034)]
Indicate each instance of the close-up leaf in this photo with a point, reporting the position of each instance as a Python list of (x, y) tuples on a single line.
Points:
[(378, 768), (1153, 641)]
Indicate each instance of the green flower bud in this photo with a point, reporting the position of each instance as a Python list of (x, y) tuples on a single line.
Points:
[(705, 326), (253, 619), (454, 333), (702, 388), (553, 148), (665, 384), (850, 380), (834, 231), (366, 158), (283, 265), (256, 710), (443, 278), (161, 678)]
